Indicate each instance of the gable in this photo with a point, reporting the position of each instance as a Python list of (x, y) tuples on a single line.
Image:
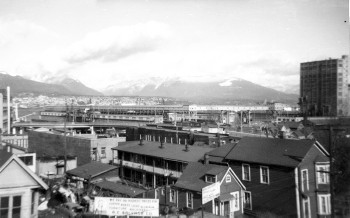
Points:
[(15, 176)]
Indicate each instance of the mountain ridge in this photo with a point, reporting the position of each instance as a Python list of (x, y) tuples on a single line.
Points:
[(228, 91)]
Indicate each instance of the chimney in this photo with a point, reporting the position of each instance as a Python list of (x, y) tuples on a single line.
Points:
[(186, 148), (141, 141), (161, 144), (206, 159)]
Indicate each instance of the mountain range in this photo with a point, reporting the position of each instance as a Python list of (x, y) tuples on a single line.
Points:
[(234, 89), (198, 92), (67, 86)]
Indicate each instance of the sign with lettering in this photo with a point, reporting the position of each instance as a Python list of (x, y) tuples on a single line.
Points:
[(210, 192), (126, 206)]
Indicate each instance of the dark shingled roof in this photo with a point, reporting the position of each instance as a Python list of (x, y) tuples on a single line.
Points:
[(91, 169), (222, 151), (4, 156), (120, 188), (270, 151), (170, 151), (193, 176)]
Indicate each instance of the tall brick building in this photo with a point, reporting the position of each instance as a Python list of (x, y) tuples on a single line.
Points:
[(324, 87)]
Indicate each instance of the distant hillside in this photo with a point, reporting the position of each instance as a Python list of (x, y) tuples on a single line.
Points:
[(201, 92), (78, 88), (20, 85)]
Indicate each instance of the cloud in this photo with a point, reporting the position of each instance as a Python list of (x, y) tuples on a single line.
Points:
[(117, 42), (14, 31)]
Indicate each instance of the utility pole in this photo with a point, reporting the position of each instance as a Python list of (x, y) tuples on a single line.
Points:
[(65, 141), (331, 168)]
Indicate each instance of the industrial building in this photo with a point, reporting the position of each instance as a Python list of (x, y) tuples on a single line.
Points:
[(324, 87)]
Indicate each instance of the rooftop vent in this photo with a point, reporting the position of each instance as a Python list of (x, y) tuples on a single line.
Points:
[(161, 144), (186, 148), (141, 142)]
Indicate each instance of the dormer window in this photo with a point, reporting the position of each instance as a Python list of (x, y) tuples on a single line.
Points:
[(210, 178)]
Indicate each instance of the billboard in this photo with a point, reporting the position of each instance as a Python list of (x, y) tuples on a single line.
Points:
[(210, 192), (126, 206)]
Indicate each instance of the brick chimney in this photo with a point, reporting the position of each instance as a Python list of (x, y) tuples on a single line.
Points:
[(161, 144), (206, 158)]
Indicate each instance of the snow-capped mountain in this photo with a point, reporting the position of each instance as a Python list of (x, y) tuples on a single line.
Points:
[(233, 88)]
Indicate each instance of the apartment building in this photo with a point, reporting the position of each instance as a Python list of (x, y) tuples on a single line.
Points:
[(324, 87)]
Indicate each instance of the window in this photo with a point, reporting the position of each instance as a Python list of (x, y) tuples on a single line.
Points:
[(103, 152), (235, 201), (16, 209), (210, 178), (246, 172), (228, 178), (33, 202), (322, 173), (4, 206), (189, 200), (10, 203), (27, 160), (156, 193), (94, 154), (306, 208), (172, 195), (304, 180), (247, 204), (264, 175), (324, 204)]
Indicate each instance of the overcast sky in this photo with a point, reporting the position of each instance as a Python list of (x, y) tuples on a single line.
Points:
[(106, 42)]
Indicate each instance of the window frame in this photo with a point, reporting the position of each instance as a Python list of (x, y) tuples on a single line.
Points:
[(319, 174), (235, 201), (103, 152), (212, 180), (267, 176), (172, 195), (250, 200), (327, 202), (228, 178), (302, 180), (243, 173), (189, 199), (308, 207), (10, 207)]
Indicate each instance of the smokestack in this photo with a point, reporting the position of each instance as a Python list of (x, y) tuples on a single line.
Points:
[(8, 111)]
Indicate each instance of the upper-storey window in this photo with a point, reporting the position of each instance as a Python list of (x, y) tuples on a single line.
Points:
[(264, 175), (304, 180), (210, 178), (246, 172), (322, 173)]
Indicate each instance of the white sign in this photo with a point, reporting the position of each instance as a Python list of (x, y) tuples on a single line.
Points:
[(210, 192), (126, 206)]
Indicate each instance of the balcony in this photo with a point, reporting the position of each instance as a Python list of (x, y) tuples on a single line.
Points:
[(149, 169)]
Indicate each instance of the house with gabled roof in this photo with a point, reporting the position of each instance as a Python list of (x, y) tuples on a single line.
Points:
[(154, 164), (92, 173), (289, 178), (188, 190), (19, 187)]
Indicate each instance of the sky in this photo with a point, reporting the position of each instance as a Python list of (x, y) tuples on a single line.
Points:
[(105, 43)]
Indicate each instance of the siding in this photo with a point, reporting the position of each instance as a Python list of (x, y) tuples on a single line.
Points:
[(276, 197), (309, 164)]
